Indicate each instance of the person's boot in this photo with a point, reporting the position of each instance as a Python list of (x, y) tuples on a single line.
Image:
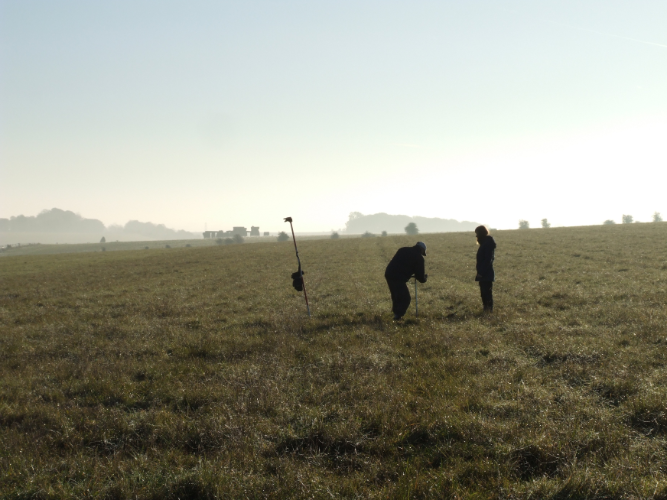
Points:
[(397, 317)]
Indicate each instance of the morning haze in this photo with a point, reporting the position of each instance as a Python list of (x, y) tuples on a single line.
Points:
[(214, 114), (64, 226), (306, 250)]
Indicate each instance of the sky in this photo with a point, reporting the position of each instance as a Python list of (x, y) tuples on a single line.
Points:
[(211, 114)]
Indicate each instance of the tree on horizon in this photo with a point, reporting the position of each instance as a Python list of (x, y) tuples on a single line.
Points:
[(411, 229)]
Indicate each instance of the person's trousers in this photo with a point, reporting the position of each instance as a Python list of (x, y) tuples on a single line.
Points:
[(400, 296), (486, 289)]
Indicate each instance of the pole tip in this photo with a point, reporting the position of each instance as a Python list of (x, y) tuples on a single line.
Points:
[(287, 219)]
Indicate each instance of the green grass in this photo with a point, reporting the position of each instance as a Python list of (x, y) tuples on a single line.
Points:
[(112, 246), (195, 373)]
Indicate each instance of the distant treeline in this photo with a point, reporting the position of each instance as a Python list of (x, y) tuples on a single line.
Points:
[(376, 223), (64, 221)]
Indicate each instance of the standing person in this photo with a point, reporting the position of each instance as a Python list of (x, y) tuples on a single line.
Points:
[(485, 274), (407, 262)]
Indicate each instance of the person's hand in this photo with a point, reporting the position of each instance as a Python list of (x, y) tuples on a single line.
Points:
[(479, 276)]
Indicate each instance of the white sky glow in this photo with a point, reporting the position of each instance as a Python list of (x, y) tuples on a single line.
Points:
[(241, 113)]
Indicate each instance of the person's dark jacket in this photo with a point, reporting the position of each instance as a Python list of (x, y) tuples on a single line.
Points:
[(485, 256), (408, 261)]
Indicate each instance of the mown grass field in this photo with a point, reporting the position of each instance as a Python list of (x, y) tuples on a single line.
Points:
[(195, 373), (113, 246)]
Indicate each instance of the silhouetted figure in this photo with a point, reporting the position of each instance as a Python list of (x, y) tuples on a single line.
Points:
[(407, 262), (485, 274)]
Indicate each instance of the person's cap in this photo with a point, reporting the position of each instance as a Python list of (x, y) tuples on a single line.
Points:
[(421, 245)]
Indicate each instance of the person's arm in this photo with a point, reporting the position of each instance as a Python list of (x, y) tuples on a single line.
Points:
[(484, 261), (419, 271)]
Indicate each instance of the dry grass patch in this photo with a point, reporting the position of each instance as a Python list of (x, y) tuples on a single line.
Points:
[(195, 373)]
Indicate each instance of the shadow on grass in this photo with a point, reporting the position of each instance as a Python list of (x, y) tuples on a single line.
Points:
[(649, 417), (338, 454), (325, 322), (615, 392), (188, 488), (533, 461)]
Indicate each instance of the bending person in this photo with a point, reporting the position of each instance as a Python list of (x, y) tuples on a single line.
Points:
[(407, 262), (485, 274)]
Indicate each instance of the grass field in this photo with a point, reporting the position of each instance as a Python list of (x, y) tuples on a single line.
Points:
[(113, 246), (195, 373)]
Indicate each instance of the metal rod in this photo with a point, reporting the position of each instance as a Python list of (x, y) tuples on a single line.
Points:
[(416, 300)]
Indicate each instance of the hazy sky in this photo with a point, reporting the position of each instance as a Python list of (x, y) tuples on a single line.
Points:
[(244, 112)]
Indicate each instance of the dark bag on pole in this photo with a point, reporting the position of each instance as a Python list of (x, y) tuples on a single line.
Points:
[(297, 281)]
